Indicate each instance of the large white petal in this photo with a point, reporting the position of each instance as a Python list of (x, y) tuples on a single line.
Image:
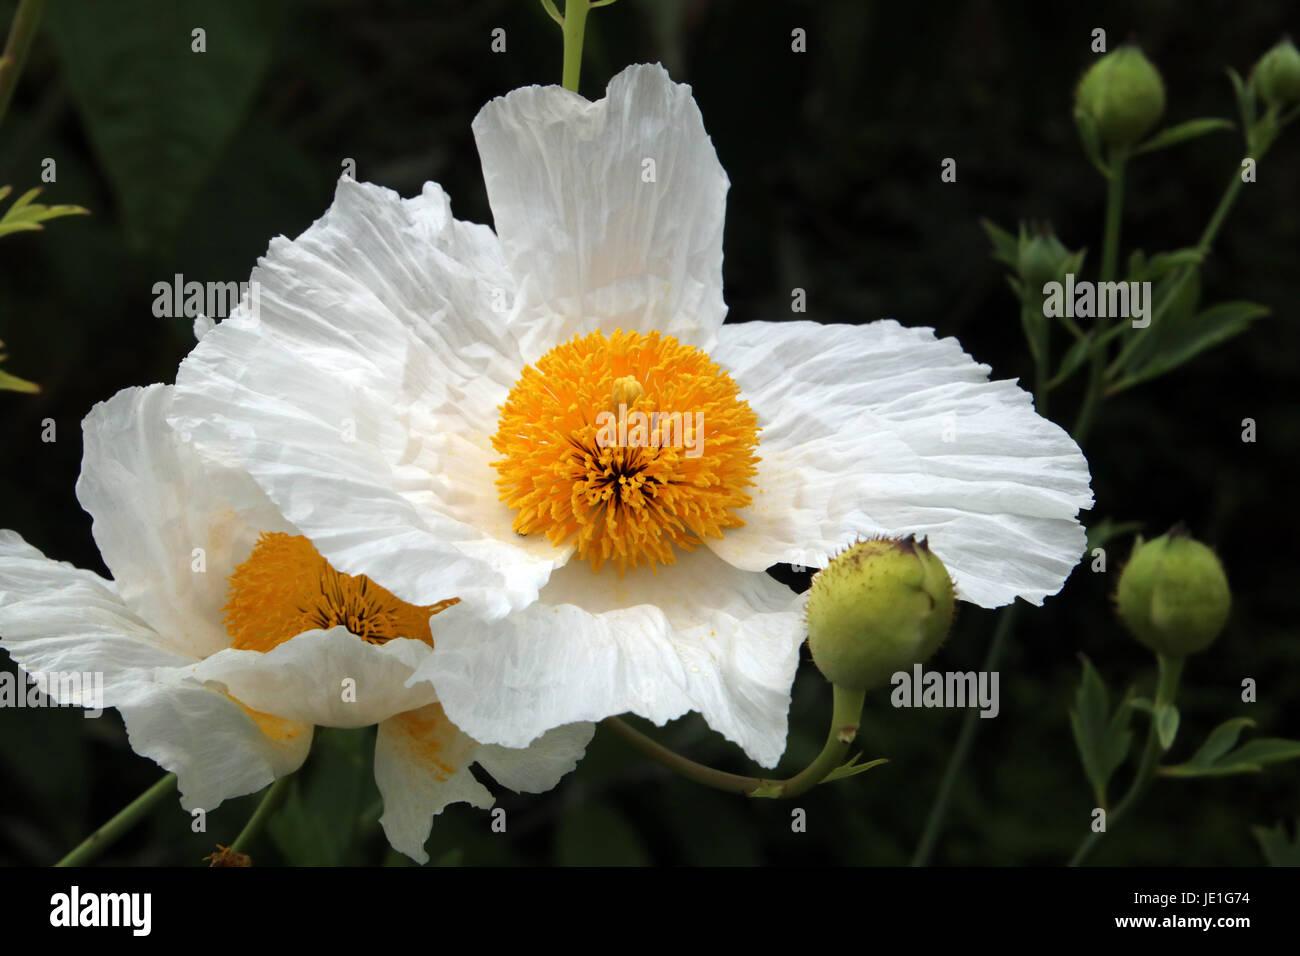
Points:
[(422, 766), (884, 430), (58, 618), (697, 635), (170, 525), (363, 394), (589, 239), (304, 678), (216, 748)]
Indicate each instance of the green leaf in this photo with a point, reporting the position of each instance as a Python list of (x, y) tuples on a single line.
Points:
[(1245, 99), (1216, 758), (1146, 270), (1278, 847), (1180, 342), (1103, 738), (27, 216), (318, 824), (159, 114), (12, 383), (1167, 725), (1005, 247), (852, 768), (597, 835), (1191, 129)]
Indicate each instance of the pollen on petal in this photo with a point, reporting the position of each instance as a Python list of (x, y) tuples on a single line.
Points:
[(628, 445)]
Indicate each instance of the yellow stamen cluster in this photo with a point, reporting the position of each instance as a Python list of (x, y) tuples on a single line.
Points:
[(623, 498), (285, 587)]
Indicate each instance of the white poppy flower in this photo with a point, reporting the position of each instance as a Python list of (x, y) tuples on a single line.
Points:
[(224, 638), (422, 397)]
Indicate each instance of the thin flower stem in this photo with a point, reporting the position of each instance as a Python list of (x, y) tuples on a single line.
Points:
[(1171, 670), (845, 718), (126, 818), (265, 810), (1109, 264), (965, 739), (22, 31), (575, 27)]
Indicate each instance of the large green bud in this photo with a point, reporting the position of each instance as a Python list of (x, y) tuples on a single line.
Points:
[(877, 608), (1173, 594), (1277, 75), (1123, 94)]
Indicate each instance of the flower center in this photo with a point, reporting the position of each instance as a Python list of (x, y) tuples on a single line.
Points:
[(629, 445), (285, 587)]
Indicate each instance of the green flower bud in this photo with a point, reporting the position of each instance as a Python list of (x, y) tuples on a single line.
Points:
[(1124, 95), (1173, 594), (877, 608), (1277, 75)]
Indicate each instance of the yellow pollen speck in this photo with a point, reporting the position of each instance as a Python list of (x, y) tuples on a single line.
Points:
[(285, 587), (627, 445)]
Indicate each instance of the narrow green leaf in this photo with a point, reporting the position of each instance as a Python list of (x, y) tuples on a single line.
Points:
[(1004, 244), (1277, 845), (1173, 135), (1245, 101), (1167, 725), (1180, 342), (1103, 739), (852, 768)]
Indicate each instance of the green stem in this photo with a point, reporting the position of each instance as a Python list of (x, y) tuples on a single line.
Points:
[(1208, 236), (131, 814), (1109, 265), (265, 810), (22, 30), (1171, 670), (845, 717), (969, 728), (575, 27)]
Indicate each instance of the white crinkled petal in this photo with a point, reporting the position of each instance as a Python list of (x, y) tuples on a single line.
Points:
[(697, 635), (884, 430), (539, 766), (170, 525), (58, 618), (216, 748), (306, 678), (610, 213), (422, 766), (362, 394)]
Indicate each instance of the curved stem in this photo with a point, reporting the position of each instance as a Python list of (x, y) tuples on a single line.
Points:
[(265, 810), (126, 818), (1171, 670), (969, 728), (845, 717), (22, 31)]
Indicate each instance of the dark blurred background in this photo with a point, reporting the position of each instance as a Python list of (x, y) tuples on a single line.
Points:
[(190, 163)]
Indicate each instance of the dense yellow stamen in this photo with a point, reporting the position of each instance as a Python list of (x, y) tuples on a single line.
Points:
[(626, 498), (285, 587)]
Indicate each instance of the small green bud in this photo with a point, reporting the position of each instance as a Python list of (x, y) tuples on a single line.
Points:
[(1124, 95), (877, 608), (1173, 594), (1277, 75), (1042, 259)]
